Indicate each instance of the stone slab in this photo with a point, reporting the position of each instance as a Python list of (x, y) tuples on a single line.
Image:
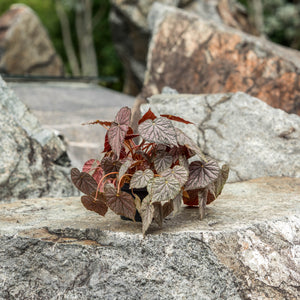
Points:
[(247, 247)]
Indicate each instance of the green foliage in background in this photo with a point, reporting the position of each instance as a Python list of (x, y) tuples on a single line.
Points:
[(281, 21), (108, 61)]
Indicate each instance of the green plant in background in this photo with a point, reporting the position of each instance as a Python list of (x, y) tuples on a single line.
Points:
[(108, 62), (166, 163)]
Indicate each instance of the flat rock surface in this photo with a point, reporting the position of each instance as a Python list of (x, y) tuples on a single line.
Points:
[(247, 247), (65, 106)]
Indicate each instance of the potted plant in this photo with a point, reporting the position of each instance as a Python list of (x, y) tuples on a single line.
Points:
[(165, 165)]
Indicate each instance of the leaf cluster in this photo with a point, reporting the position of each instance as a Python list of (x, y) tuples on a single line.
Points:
[(159, 162)]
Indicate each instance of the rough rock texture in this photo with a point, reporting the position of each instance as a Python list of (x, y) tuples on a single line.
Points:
[(131, 32), (25, 47), (247, 247), (193, 55), (255, 139), (33, 161), (64, 106)]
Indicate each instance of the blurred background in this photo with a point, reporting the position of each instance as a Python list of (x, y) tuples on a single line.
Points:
[(82, 33)]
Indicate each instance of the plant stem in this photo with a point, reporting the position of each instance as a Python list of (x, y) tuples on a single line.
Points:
[(99, 184)]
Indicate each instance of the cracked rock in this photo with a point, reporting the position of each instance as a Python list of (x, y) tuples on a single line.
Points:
[(247, 247), (33, 160), (197, 56), (255, 139)]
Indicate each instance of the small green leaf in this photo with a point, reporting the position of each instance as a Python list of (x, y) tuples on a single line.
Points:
[(163, 189), (121, 203), (140, 179), (147, 213)]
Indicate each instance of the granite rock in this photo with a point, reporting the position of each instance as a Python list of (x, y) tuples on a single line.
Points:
[(193, 55), (254, 138), (247, 247), (131, 32), (34, 161), (25, 47)]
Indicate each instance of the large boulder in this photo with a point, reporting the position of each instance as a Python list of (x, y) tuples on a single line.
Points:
[(25, 47), (131, 33), (247, 247), (196, 56), (33, 160), (254, 138)]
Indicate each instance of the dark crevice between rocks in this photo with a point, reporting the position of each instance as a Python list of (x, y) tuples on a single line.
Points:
[(31, 157)]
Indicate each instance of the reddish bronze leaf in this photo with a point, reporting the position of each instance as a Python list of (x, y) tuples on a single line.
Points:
[(110, 165), (83, 181), (190, 198), (92, 167), (148, 115), (107, 146), (103, 123), (167, 208), (97, 206), (202, 174), (123, 116), (120, 203), (175, 118), (116, 135)]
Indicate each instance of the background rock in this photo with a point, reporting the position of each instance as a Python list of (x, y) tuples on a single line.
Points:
[(64, 106), (33, 161), (196, 56), (25, 47), (247, 247), (131, 33), (255, 139)]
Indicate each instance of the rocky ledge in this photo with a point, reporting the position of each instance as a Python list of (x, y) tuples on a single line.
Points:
[(247, 247)]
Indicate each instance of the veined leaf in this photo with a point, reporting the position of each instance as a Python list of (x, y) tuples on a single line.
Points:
[(83, 181), (202, 196), (162, 162), (124, 167), (97, 206), (158, 213), (160, 131), (138, 202), (148, 115), (183, 162), (92, 167), (147, 213), (202, 174), (116, 135), (110, 165), (121, 203), (163, 189), (177, 172), (184, 140), (177, 119), (123, 116), (118, 129), (140, 179), (216, 187)]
